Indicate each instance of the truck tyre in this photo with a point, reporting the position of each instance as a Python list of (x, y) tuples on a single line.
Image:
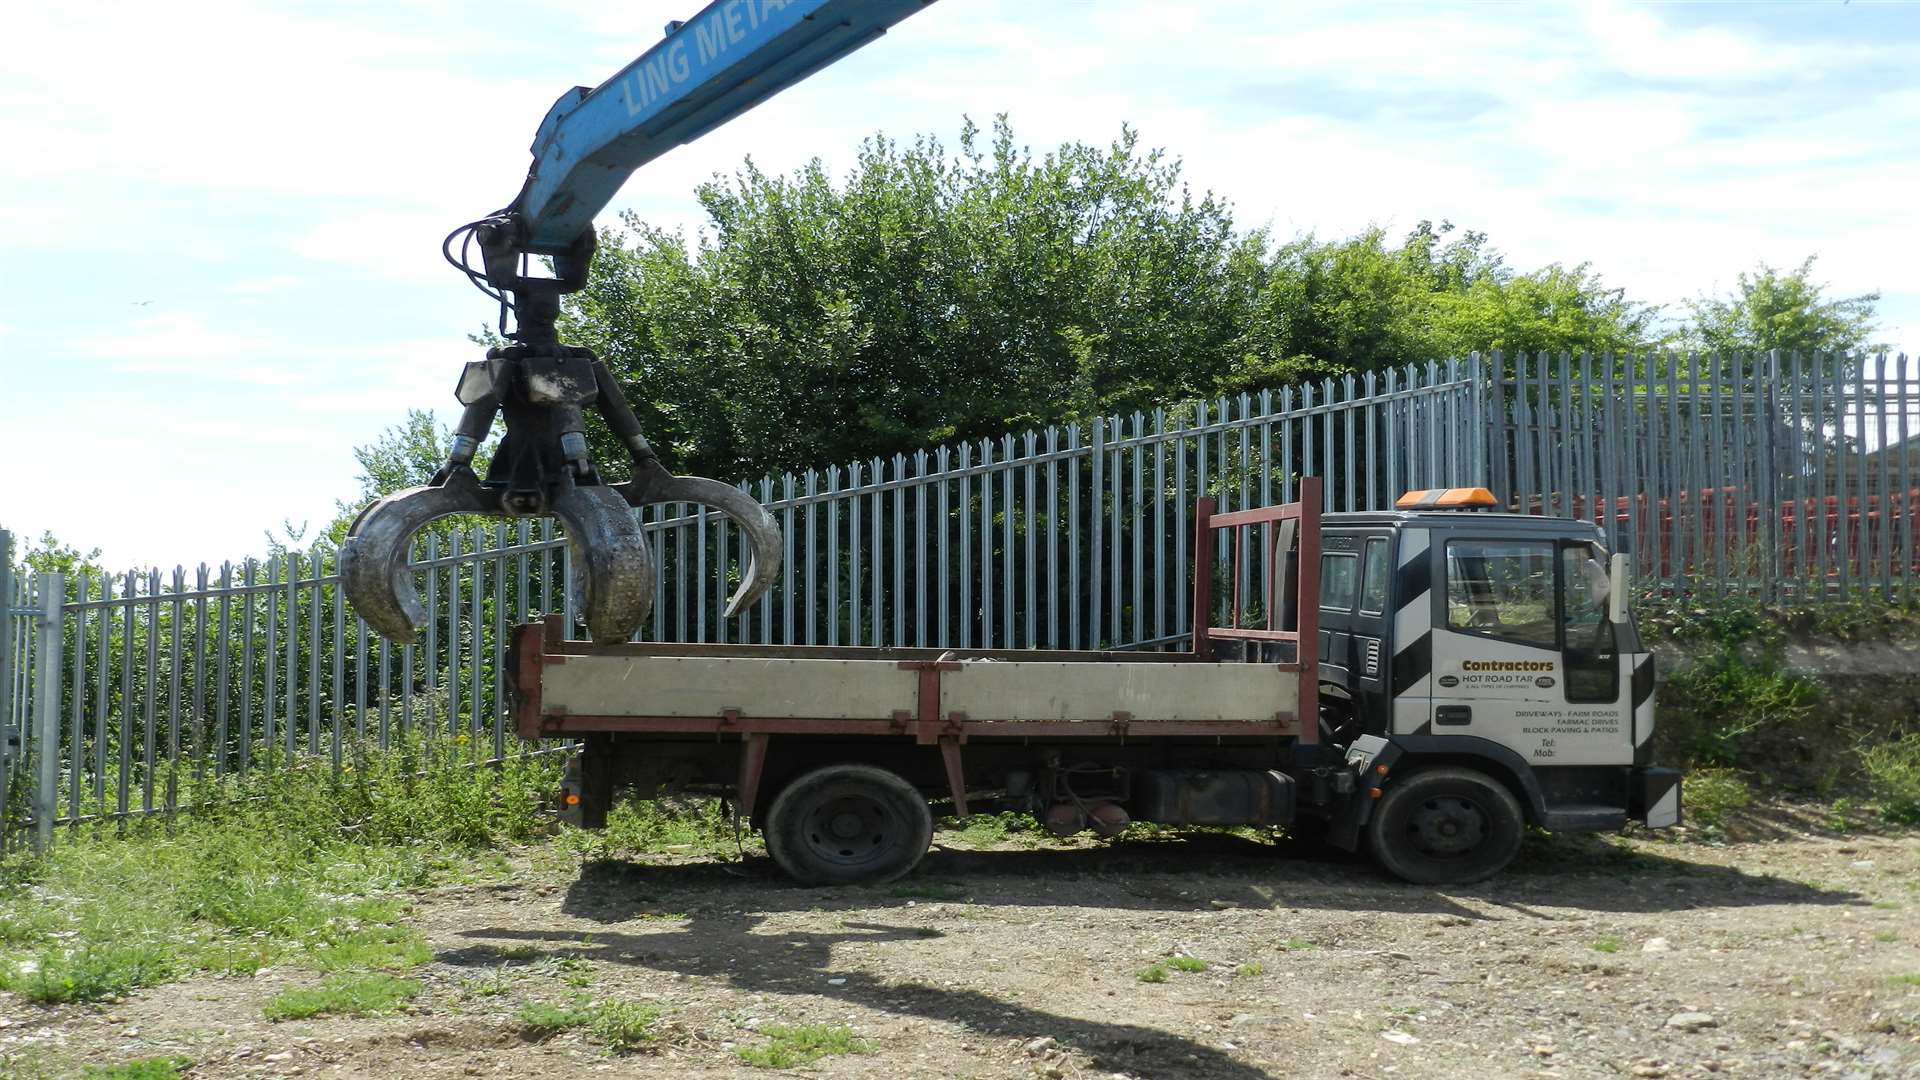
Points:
[(848, 824), (1446, 826)]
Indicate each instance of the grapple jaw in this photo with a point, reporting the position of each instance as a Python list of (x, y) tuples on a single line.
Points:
[(759, 528), (540, 467), (613, 580)]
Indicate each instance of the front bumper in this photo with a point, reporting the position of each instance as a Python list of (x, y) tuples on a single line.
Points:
[(1653, 796)]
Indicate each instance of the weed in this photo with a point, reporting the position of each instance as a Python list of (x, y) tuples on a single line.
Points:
[(1893, 775), (542, 1021), (94, 970), (1886, 905), (988, 830), (344, 995), (797, 1045), (496, 982), (1187, 963), (550, 965), (160, 1068), (1713, 795), (1886, 935), (1726, 696), (1248, 971), (1911, 978), (687, 827), (1157, 973), (621, 1026), (1607, 945), (1297, 945)]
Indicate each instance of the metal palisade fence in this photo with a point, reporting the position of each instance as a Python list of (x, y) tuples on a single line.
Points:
[(1782, 477)]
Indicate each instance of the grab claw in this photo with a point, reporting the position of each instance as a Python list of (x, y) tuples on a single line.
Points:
[(762, 532), (613, 585)]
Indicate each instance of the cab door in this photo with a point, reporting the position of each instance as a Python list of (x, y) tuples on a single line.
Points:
[(1523, 653)]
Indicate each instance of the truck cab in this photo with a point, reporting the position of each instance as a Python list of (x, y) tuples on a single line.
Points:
[(1457, 633)]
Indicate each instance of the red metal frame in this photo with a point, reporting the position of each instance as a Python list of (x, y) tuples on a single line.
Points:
[(1306, 633)]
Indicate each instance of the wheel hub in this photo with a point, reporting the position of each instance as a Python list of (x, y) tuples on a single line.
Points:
[(1447, 826), (850, 829)]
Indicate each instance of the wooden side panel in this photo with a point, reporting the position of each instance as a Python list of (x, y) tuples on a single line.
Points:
[(1096, 692), (704, 686)]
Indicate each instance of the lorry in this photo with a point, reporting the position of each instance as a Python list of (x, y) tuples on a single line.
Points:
[(1425, 682)]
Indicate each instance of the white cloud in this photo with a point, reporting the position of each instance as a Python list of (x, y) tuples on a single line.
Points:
[(306, 163)]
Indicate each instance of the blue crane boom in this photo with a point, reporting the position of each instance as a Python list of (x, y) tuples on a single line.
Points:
[(708, 70), (726, 59)]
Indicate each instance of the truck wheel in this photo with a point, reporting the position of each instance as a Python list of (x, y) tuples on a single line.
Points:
[(1446, 827), (848, 824)]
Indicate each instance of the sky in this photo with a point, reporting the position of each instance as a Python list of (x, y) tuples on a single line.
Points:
[(220, 222)]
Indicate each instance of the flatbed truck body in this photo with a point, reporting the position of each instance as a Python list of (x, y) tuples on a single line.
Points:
[(1464, 675)]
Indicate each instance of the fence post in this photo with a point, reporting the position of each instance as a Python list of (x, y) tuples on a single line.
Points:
[(48, 655), (7, 674)]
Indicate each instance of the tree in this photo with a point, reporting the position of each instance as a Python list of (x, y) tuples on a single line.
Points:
[(1553, 310), (932, 296), (1769, 309), (927, 297), (405, 455)]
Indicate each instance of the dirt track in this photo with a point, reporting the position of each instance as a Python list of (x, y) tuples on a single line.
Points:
[(1023, 963)]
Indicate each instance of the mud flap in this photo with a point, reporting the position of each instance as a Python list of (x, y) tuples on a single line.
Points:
[(1654, 797), (1371, 758)]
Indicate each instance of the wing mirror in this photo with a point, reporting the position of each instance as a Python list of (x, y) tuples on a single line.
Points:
[(1619, 571)]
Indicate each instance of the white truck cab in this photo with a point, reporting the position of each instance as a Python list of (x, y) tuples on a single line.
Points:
[(1502, 641)]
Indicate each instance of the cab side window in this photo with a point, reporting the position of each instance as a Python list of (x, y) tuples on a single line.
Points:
[(1373, 578), (1339, 577), (1503, 589)]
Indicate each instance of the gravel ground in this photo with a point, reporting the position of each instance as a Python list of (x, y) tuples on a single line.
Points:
[(1793, 956)]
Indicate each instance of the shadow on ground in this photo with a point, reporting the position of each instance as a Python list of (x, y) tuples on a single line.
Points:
[(1203, 871), (725, 904)]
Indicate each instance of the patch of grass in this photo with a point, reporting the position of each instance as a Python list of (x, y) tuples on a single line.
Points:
[(539, 1020), (1607, 945), (622, 1026), (1186, 963), (799, 1044), (1156, 973), (1714, 795), (1295, 944), (379, 945), (292, 864), (1887, 936), (1911, 978), (93, 970), (692, 827), (1886, 905), (1892, 771), (344, 995), (160, 1068), (1248, 971), (989, 830)]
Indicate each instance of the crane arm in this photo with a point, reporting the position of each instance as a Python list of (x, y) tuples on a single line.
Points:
[(709, 69)]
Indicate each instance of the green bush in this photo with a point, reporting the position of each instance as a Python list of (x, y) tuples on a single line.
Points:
[(1893, 775), (1713, 794), (1723, 699)]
